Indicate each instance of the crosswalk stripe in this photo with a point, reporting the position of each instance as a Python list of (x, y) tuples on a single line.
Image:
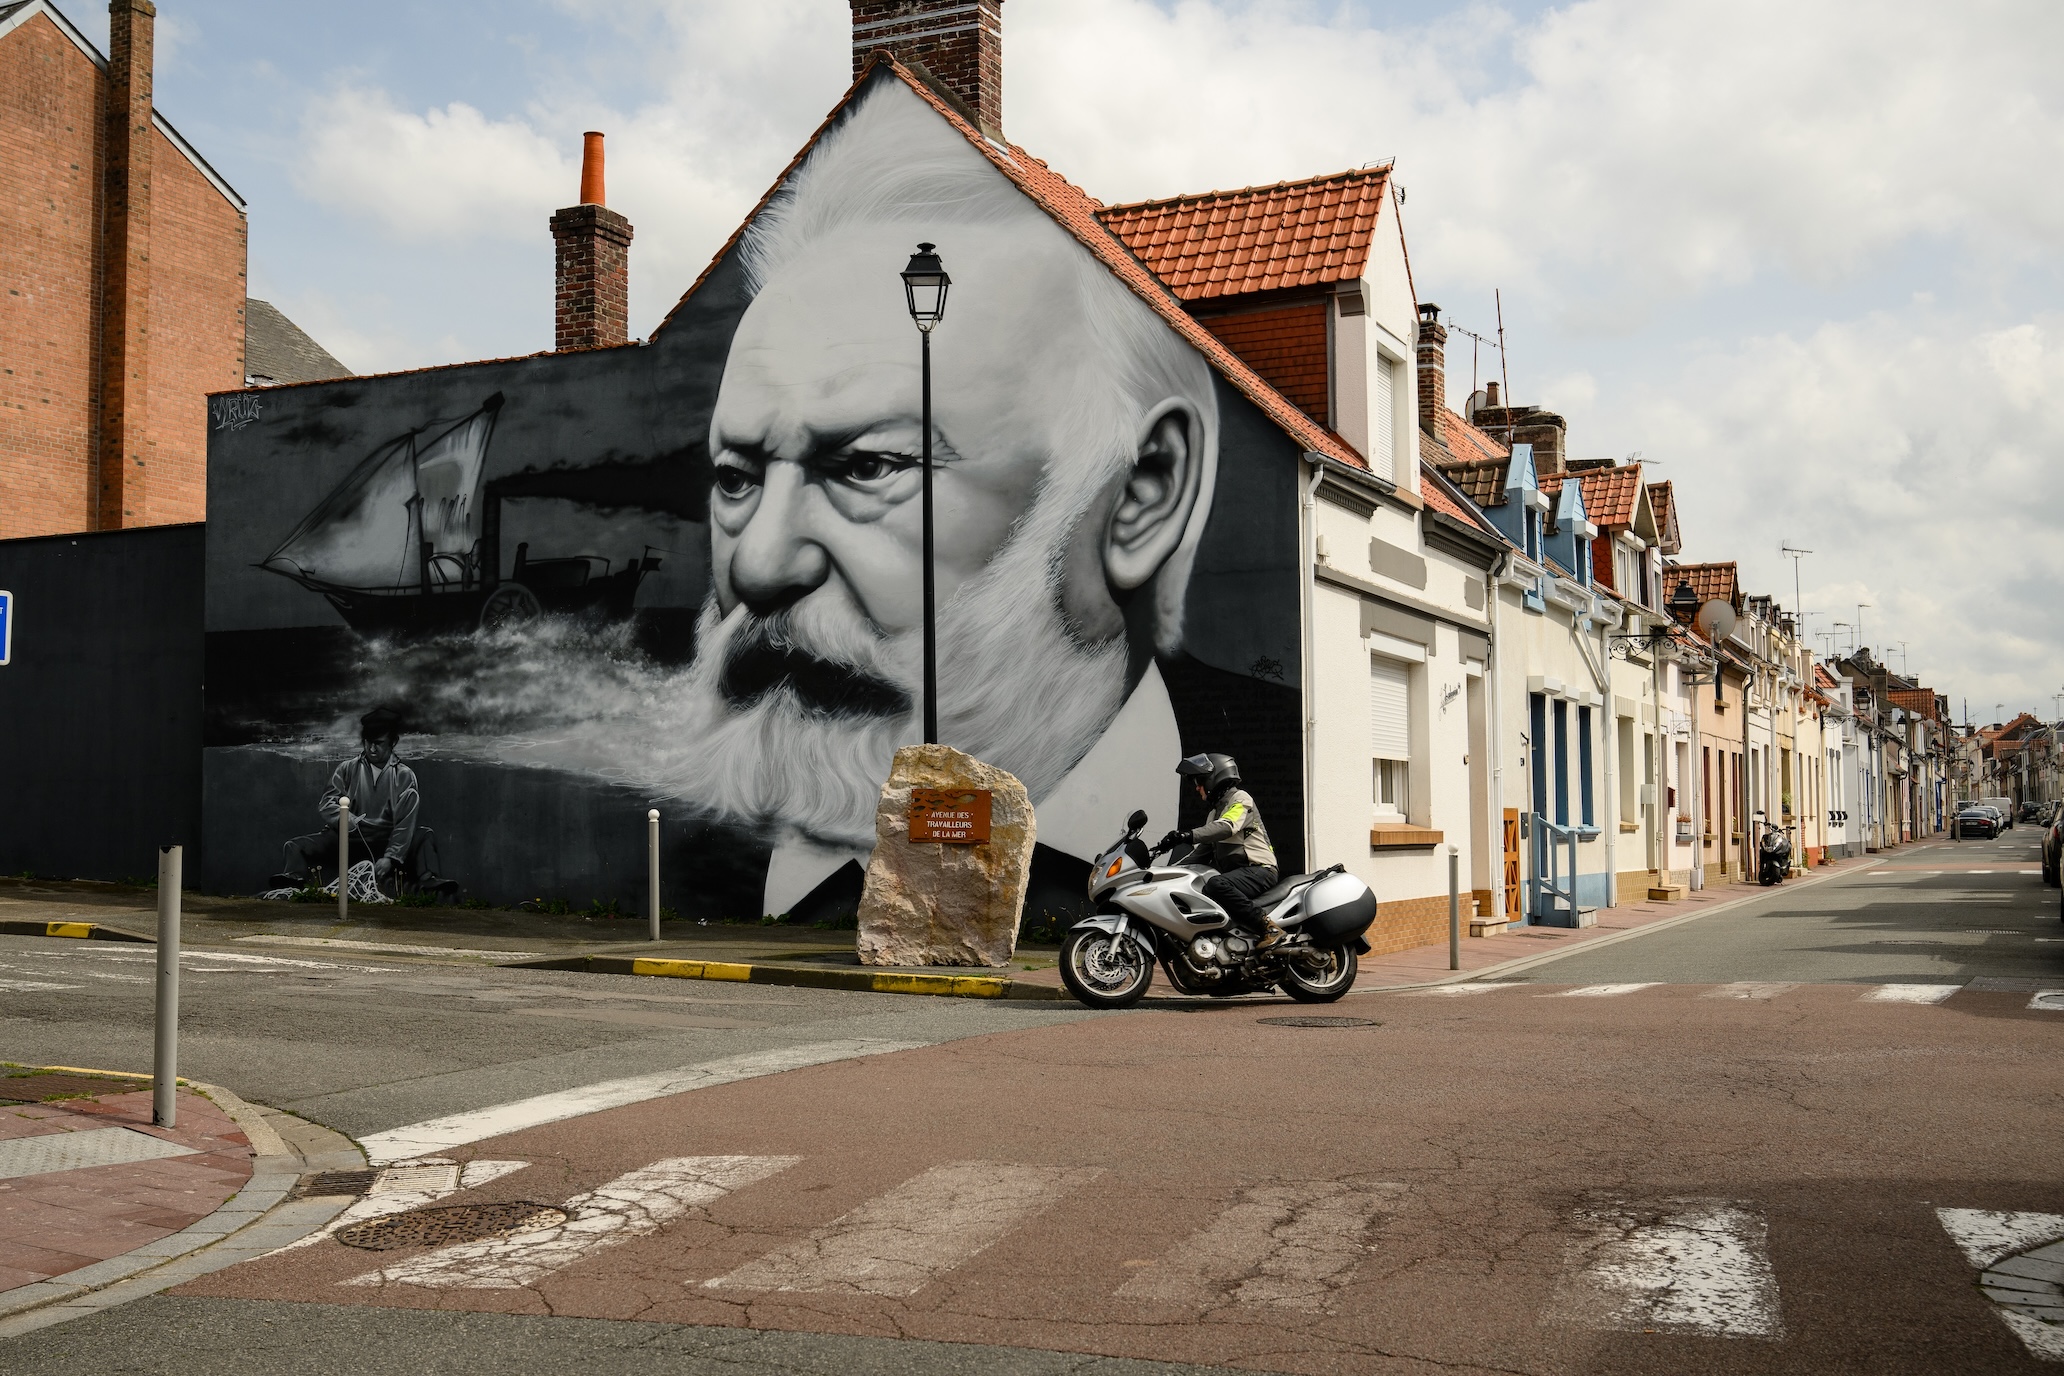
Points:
[(442, 1134), (1450, 990), (628, 1207), (1293, 1246), (1751, 989), (1672, 1266), (1603, 991), (1911, 993), (2020, 1257), (397, 1189), (1988, 1235), (2048, 1001), (898, 1243)]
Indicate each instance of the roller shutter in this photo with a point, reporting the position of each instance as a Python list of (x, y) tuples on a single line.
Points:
[(1390, 719)]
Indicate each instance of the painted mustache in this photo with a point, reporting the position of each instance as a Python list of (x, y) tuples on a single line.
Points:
[(762, 658)]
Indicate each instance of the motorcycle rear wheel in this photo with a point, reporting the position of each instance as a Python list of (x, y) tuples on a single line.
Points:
[(1105, 971), (1335, 976)]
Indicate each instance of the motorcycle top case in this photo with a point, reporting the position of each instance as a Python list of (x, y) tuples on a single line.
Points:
[(1338, 906)]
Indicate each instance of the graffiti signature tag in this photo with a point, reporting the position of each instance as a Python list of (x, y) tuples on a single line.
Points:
[(234, 412)]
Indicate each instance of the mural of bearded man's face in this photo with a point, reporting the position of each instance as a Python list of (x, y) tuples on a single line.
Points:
[(1051, 523)]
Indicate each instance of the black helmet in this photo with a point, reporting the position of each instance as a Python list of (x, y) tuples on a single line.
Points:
[(1215, 772)]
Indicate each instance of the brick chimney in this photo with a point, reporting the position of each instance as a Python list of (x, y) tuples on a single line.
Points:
[(591, 298), (957, 43), (1433, 367), (121, 479)]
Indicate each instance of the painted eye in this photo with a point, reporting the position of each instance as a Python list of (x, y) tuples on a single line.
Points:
[(870, 467), (734, 481)]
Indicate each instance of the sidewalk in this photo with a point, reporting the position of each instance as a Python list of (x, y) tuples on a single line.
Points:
[(85, 1177)]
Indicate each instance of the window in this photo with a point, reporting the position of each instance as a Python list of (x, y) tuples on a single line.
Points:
[(1390, 736), (1629, 797), (1537, 750), (1533, 534), (1561, 763), (1382, 425), (1583, 569), (1584, 788), (1706, 783)]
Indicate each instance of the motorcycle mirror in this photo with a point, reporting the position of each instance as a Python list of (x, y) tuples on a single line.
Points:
[(1137, 820)]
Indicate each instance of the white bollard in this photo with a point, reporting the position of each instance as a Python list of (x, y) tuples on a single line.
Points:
[(652, 869), (1454, 908), (343, 859), (165, 1063)]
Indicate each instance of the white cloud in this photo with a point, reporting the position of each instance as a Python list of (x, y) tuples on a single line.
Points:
[(1908, 453)]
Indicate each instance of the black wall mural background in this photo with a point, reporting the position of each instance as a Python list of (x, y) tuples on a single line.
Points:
[(540, 724)]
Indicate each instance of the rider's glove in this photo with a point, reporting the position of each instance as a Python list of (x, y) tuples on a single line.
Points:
[(1172, 840)]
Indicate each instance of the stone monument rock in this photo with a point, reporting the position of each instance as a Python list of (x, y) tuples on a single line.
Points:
[(954, 901)]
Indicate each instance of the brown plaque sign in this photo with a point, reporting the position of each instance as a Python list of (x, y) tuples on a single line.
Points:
[(957, 816)]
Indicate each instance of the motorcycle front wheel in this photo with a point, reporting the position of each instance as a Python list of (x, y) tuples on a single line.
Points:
[(1320, 975), (1105, 971)]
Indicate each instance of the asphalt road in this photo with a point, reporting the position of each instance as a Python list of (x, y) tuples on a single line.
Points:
[(1765, 1140)]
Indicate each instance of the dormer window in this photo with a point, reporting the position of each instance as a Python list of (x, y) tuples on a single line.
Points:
[(1533, 534)]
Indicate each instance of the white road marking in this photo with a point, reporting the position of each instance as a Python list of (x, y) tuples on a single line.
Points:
[(2048, 1001), (389, 947), (2021, 1259), (628, 1207), (1292, 1246), (1751, 989), (1911, 993), (1450, 990), (439, 1135), (1672, 1266), (1603, 991), (30, 986), (397, 1189), (900, 1242), (1989, 1235)]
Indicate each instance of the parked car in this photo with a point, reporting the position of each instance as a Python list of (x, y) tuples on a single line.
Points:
[(2052, 848), (1975, 819), (2032, 812), (2004, 807)]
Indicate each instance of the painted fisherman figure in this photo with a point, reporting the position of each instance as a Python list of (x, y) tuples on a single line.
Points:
[(1235, 842), (384, 807)]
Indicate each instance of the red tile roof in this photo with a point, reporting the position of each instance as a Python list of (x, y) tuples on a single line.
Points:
[(1611, 495), (1075, 211), (1663, 498), (1920, 701), (1709, 581), (1261, 238)]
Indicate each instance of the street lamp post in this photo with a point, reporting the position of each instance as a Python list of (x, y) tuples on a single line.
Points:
[(924, 289)]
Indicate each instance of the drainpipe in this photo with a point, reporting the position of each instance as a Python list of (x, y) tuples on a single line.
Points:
[(1310, 599), (1496, 732), (1698, 809)]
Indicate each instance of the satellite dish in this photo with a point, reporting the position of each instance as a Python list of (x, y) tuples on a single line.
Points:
[(1716, 618)]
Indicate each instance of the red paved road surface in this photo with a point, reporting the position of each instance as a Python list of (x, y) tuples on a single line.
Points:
[(1486, 1128)]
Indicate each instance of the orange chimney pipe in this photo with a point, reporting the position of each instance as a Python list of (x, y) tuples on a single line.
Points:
[(591, 192)]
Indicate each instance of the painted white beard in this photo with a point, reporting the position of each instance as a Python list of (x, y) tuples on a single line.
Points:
[(1016, 690)]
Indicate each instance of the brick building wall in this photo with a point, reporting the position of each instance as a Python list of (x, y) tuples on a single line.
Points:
[(198, 242), (49, 316), (52, 152)]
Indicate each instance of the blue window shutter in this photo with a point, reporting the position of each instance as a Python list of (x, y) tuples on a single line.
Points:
[(1538, 708), (1561, 763), (1584, 761)]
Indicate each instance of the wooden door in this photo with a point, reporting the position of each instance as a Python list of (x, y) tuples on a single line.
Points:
[(1512, 880)]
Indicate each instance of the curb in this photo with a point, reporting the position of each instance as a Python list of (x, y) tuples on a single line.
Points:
[(866, 981), (261, 1217), (84, 931), (1520, 963)]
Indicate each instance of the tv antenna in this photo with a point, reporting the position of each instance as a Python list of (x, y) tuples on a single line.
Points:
[(1795, 555)]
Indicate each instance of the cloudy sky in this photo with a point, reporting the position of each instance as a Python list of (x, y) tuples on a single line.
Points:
[(1802, 257)]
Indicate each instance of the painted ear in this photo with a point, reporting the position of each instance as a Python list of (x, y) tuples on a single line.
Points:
[(1160, 492)]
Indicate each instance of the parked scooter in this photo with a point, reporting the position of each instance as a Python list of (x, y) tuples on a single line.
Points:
[(1147, 914), (1773, 852)]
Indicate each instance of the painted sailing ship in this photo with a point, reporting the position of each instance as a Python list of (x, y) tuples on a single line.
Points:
[(411, 543)]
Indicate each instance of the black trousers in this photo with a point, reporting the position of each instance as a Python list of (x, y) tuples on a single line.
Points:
[(316, 853), (1235, 891)]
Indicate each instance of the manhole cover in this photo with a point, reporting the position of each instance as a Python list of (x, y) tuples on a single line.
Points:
[(450, 1224), (1320, 1022)]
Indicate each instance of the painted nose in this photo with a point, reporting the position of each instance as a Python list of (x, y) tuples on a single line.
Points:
[(777, 560)]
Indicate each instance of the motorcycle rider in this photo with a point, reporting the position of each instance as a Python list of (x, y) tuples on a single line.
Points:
[(1237, 843)]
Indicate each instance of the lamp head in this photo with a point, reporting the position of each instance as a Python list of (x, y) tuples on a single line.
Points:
[(924, 287), (1684, 603)]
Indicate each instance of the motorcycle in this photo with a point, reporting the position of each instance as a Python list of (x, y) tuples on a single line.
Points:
[(1773, 853), (1148, 914)]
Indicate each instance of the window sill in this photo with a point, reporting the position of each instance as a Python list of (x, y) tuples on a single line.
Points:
[(1402, 836)]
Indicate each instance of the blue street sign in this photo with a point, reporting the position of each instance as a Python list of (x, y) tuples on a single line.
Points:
[(6, 626)]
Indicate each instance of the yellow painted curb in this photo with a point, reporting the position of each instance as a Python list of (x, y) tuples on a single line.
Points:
[(961, 986), (79, 929), (693, 969)]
